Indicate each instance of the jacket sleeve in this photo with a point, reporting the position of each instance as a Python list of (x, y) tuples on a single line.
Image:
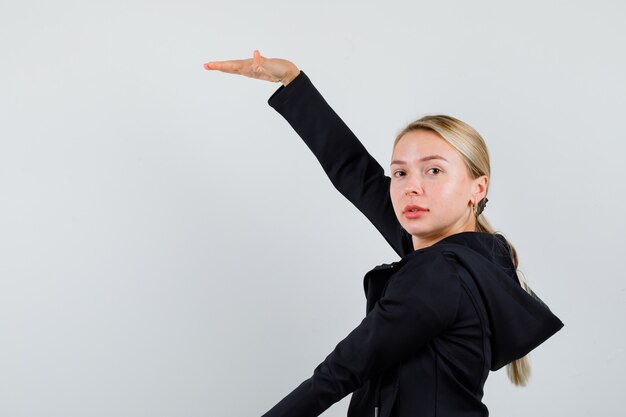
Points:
[(349, 166), (421, 301)]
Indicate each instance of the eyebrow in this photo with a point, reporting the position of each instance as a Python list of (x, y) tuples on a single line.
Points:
[(426, 158)]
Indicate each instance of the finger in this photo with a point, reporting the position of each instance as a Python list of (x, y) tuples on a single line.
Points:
[(257, 57), (219, 65), (256, 64), (232, 66)]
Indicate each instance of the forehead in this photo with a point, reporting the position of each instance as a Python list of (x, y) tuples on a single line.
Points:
[(420, 143)]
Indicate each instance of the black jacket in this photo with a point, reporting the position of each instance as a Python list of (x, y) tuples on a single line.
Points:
[(437, 320)]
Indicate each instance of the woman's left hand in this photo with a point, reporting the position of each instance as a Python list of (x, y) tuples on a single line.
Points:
[(268, 69)]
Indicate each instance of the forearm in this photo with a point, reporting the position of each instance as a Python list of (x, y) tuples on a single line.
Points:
[(347, 163)]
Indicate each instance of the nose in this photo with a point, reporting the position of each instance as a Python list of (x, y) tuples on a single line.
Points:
[(413, 186)]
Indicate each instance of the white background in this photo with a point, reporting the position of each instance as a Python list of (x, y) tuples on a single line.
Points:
[(170, 247)]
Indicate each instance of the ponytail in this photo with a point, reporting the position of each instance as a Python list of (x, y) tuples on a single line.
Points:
[(519, 370)]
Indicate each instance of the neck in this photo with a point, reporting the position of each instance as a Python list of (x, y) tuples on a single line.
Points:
[(420, 242)]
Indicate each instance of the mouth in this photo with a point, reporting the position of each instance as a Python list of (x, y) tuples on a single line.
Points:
[(413, 208), (414, 212)]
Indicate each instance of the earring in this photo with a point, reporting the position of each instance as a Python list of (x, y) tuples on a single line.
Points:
[(480, 206)]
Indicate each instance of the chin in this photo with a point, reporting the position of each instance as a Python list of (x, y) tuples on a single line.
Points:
[(415, 230)]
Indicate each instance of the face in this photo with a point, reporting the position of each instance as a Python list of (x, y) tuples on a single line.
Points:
[(428, 172)]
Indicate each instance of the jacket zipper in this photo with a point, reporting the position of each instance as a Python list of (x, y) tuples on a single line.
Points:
[(377, 396)]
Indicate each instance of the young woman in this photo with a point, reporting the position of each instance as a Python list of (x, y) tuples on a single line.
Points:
[(453, 307)]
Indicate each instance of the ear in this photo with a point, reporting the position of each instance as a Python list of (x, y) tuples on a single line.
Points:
[(479, 188)]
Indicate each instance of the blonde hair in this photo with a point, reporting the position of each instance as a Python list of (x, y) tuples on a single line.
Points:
[(468, 142)]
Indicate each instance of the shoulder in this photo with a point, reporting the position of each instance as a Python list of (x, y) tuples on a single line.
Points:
[(428, 285), (428, 270), (429, 262)]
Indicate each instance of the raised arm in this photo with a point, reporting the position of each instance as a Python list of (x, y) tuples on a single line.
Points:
[(350, 168), (348, 165)]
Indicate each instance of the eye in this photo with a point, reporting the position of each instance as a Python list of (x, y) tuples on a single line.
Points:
[(398, 172), (436, 169)]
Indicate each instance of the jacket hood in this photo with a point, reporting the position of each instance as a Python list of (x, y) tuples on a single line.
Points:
[(518, 319), (492, 248)]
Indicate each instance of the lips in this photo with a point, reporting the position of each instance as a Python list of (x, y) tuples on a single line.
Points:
[(413, 211), (413, 207)]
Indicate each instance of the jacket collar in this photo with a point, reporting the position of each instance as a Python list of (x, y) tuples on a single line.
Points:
[(493, 248)]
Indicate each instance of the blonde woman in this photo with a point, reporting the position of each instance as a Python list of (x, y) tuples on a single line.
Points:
[(453, 308)]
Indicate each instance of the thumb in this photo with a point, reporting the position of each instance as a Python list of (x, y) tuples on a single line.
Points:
[(256, 57)]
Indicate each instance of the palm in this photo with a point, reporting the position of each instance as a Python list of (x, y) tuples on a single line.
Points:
[(269, 69)]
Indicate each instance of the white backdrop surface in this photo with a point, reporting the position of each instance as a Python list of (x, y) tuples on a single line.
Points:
[(170, 247)]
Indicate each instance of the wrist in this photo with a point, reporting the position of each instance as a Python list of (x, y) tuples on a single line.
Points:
[(291, 75)]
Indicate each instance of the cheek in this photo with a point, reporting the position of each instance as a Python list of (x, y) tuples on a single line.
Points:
[(447, 193), (450, 195), (393, 194)]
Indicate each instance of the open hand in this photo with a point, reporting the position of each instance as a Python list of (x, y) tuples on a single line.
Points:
[(269, 69)]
